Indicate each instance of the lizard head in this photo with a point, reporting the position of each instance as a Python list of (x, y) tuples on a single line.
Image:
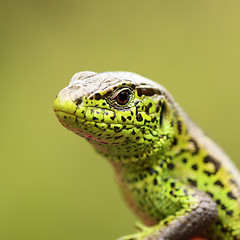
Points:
[(124, 115)]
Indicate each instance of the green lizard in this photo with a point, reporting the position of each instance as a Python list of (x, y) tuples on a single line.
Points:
[(176, 179)]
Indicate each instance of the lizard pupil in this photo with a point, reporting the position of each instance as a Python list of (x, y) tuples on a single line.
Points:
[(123, 97)]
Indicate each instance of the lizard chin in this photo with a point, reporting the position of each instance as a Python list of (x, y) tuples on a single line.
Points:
[(71, 122)]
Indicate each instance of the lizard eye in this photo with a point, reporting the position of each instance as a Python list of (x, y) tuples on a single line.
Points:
[(123, 97)]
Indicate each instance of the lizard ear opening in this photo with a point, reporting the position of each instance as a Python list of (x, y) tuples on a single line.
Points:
[(163, 112)]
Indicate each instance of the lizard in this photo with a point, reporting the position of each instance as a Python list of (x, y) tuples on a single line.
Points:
[(176, 179)]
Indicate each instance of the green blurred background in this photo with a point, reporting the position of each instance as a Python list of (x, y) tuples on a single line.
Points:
[(53, 186)]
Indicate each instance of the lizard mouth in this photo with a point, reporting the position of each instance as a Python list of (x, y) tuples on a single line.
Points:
[(69, 118), (95, 124), (99, 132)]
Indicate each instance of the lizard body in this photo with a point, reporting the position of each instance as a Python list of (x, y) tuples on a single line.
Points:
[(179, 182)]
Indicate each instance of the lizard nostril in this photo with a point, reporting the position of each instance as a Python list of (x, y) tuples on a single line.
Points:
[(78, 101)]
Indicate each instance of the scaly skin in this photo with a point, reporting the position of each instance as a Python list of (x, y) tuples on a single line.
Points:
[(174, 177)]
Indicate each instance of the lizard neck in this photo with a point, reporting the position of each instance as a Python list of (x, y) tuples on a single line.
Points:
[(172, 139)]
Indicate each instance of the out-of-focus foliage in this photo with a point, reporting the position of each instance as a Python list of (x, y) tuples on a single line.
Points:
[(53, 186)]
